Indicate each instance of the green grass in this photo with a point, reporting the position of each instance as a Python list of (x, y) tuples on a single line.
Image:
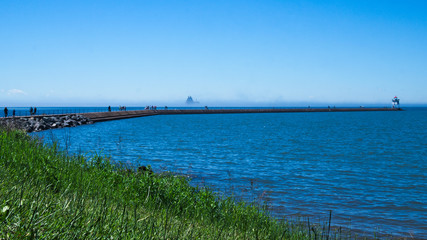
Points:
[(48, 194)]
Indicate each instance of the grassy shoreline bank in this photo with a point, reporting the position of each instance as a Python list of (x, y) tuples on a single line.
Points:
[(45, 193)]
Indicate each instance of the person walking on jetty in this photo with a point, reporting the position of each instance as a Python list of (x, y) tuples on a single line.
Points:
[(109, 108), (31, 110), (35, 110), (5, 112)]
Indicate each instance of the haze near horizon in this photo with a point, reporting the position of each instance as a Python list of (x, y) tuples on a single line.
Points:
[(261, 53)]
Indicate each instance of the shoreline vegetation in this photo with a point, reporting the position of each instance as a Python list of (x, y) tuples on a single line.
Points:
[(46, 193)]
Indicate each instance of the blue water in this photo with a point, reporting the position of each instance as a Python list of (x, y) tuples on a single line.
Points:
[(369, 168)]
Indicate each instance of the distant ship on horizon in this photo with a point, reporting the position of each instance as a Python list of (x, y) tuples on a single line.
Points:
[(191, 101)]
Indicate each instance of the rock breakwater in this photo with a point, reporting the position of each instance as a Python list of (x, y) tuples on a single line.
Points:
[(40, 123)]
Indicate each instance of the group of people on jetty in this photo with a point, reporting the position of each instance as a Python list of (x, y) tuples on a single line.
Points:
[(121, 108), (152, 108), (33, 111)]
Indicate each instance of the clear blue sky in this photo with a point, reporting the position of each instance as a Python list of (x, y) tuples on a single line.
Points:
[(135, 53)]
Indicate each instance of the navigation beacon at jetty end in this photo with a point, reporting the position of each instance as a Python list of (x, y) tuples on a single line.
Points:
[(396, 102)]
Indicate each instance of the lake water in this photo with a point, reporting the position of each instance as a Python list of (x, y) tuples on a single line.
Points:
[(369, 168)]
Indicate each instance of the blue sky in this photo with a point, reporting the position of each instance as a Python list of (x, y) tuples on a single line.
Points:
[(278, 53)]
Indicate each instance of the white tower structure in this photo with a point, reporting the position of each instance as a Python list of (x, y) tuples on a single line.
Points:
[(395, 102)]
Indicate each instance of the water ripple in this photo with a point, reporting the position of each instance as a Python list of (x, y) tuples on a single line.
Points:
[(370, 168)]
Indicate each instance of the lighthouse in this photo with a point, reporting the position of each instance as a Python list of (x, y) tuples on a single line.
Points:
[(395, 102)]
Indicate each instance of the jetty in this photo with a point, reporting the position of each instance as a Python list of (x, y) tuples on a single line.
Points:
[(107, 116), (35, 123)]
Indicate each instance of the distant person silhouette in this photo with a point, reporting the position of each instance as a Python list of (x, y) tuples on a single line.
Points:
[(5, 112), (35, 110), (31, 110)]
